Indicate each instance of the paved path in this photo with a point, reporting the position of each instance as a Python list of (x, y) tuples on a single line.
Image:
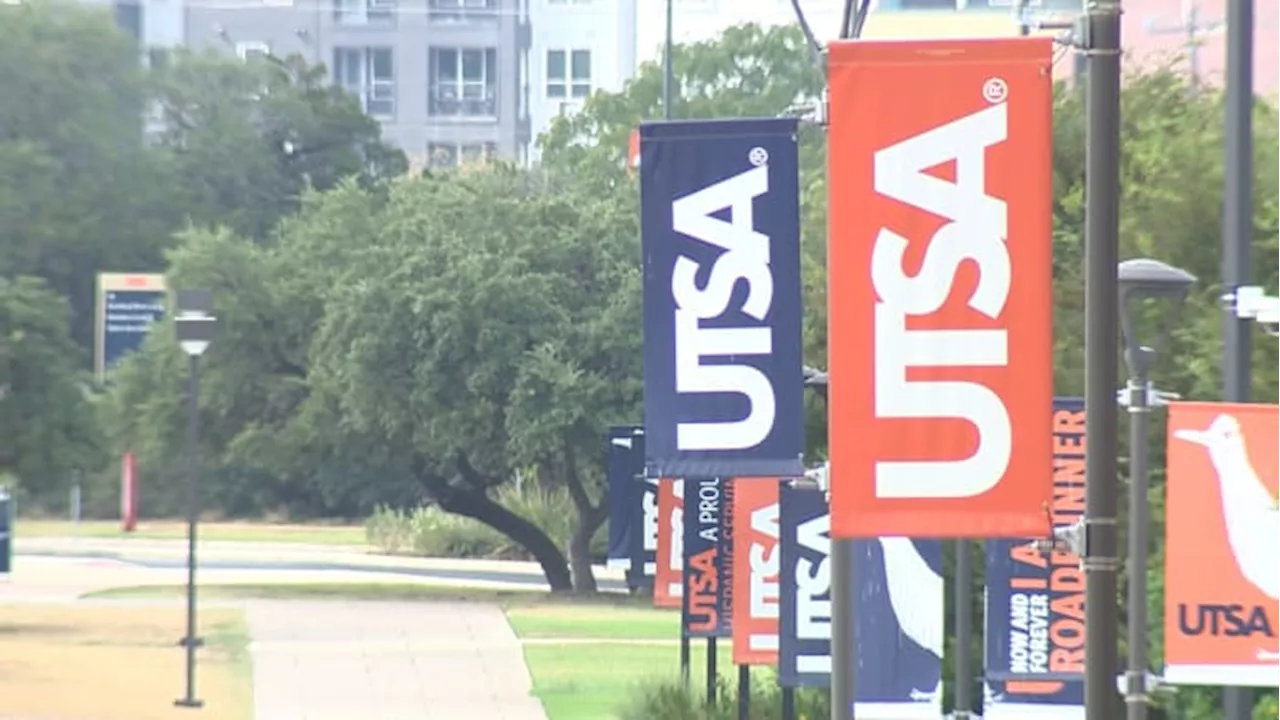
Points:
[(387, 661)]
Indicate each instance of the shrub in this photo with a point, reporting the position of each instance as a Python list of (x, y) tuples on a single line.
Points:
[(671, 700), (431, 532)]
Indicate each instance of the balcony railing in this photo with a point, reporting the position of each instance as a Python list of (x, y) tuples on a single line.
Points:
[(458, 11), (446, 102)]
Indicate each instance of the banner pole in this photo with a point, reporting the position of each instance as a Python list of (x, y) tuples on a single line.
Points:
[(744, 692), (788, 703), (964, 629), (842, 629), (711, 672), (1237, 229), (684, 657), (1101, 320)]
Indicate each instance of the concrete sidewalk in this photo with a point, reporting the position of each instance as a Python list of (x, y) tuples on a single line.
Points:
[(387, 661)]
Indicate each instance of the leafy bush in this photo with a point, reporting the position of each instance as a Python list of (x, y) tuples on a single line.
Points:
[(431, 532), (671, 700)]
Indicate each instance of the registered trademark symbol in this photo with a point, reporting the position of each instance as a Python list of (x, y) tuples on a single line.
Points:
[(758, 156), (995, 90)]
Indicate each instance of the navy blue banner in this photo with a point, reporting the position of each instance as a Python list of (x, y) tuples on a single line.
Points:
[(1035, 600), (643, 542), (707, 606), (899, 613), (720, 221), (128, 317), (626, 466)]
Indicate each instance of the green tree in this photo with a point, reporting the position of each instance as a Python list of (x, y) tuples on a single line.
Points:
[(490, 326), (46, 415), (79, 193), (246, 138), (749, 71)]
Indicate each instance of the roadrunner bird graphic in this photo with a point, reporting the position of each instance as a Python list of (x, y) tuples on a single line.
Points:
[(1249, 510)]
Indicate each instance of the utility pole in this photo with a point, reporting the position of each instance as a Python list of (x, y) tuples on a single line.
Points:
[(1101, 44), (1193, 28), (1237, 230)]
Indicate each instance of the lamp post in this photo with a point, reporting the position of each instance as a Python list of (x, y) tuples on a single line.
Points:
[(1138, 280), (194, 327)]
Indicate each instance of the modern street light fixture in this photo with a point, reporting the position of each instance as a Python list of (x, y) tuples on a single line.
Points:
[(1140, 280), (194, 327)]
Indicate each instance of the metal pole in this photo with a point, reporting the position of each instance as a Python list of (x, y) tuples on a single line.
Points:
[(842, 629), (685, 659), (193, 512), (668, 73), (964, 630), (788, 703), (744, 692), (1135, 697), (1237, 226), (1102, 44), (711, 672)]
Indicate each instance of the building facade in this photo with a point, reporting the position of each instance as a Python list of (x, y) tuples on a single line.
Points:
[(442, 76), (578, 47)]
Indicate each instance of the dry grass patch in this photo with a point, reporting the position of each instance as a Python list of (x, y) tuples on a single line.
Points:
[(105, 663)]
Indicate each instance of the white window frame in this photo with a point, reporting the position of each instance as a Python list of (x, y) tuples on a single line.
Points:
[(566, 86), (371, 89), (488, 151), (245, 48), (467, 93), (364, 12)]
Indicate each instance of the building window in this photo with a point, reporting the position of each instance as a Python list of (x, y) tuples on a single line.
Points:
[(461, 10), (568, 73), (464, 82), (364, 12), (252, 50), (445, 155), (129, 19), (369, 74)]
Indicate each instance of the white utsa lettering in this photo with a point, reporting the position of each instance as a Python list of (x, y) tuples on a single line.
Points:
[(765, 588), (746, 258), (813, 616), (676, 546), (977, 230)]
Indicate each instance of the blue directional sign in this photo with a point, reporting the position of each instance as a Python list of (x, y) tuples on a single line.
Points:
[(128, 305)]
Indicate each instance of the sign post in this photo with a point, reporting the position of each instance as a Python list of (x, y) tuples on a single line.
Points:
[(7, 516)]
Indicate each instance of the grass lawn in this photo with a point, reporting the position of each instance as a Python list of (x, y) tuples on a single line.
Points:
[(592, 682), (602, 621), (177, 529), (119, 663)]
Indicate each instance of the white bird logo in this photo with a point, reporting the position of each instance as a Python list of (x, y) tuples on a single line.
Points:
[(915, 593), (1249, 509)]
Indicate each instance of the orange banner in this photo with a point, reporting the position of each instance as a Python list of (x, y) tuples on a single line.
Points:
[(939, 284), (756, 560), (1222, 545), (668, 577)]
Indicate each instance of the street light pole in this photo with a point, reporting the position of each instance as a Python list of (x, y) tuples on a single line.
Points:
[(1141, 279), (1135, 697), (1102, 170), (1237, 227), (194, 327)]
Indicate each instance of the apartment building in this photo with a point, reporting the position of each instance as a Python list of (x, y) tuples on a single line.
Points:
[(442, 76), (577, 47)]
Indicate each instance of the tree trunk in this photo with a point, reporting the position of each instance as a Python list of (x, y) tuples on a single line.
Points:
[(590, 517), (474, 502)]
